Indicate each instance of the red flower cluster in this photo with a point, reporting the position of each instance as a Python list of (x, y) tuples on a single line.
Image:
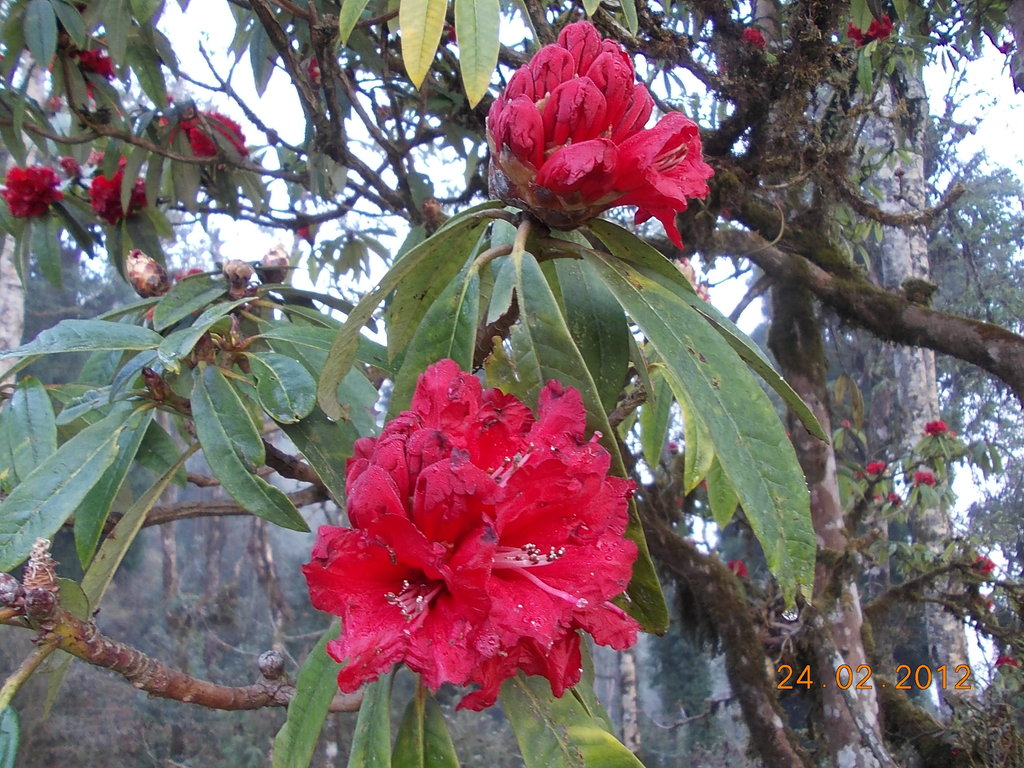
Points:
[(983, 565), (738, 567), (202, 132), (29, 191), (754, 36), (924, 478), (482, 538), (96, 61), (875, 467), (105, 196), (1006, 661), (894, 499), (935, 428), (567, 138), (879, 29)]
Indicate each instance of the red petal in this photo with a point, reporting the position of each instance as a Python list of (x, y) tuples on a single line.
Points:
[(551, 66), (589, 168), (614, 77), (575, 111), (583, 41)]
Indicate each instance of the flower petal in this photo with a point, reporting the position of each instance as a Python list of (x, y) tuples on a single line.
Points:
[(583, 41), (589, 168), (575, 111)]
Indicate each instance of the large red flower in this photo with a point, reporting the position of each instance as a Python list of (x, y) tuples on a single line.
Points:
[(209, 130), (30, 191), (482, 539), (568, 141), (105, 197)]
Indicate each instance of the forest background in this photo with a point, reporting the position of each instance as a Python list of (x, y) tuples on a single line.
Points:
[(886, 258)]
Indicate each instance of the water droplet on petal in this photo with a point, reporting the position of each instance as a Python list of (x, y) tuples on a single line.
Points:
[(582, 603)]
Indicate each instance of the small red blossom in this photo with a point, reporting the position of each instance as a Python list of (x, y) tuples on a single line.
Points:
[(673, 447), (483, 537), (70, 167), (738, 567), (96, 61), (306, 234), (313, 70), (875, 467), (1006, 661), (894, 499), (934, 428), (983, 565), (31, 190), (105, 196), (879, 29), (209, 131), (568, 141), (924, 477), (754, 36)]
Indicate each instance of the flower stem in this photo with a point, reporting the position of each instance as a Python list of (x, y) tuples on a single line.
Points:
[(17, 678)]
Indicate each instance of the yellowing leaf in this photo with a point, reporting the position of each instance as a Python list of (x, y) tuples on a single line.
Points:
[(421, 22)]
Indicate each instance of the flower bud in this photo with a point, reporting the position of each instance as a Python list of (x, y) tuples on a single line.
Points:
[(147, 277), (39, 603), (271, 664), (11, 591), (238, 274), (274, 266)]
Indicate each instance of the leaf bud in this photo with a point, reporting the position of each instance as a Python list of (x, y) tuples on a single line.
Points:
[(39, 603), (271, 664), (147, 277), (274, 266), (11, 591)]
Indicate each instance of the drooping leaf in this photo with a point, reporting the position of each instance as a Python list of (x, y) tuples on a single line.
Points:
[(285, 389), (721, 496), (700, 450), (185, 297), (234, 448), (748, 437), (29, 435), (87, 336), (46, 249), (52, 492), (10, 736), (180, 342), (315, 687), (423, 739), (71, 20), (351, 10), (558, 732), (371, 744), (550, 353), (654, 416), (40, 30), (421, 22), (326, 445), (476, 30)]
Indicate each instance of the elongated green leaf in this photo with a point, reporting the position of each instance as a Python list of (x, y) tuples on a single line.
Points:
[(180, 342), (71, 19), (421, 22), (30, 428), (748, 437), (448, 329), (234, 448), (92, 513), (351, 10), (630, 14), (371, 744), (628, 247), (423, 740), (285, 389), (409, 268), (598, 326), (654, 415), (558, 732), (552, 354), (46, 249), (87, 336), (314, 689), (721, 495), (476, 29), (326, 445), (40, 30), (10, 736), (53, 491), (700, 450), (187, 296)]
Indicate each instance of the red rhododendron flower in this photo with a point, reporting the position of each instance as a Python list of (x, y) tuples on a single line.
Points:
[(983, 565), (894, 499), (935, 428), (875, 467), (1006, 661), (879, 29), (754, 36), (202, 132), (924, 478), (738, 567), (482, 538), (29, 191), (71, 167), (105, 196), (568, 141), (96, 61)]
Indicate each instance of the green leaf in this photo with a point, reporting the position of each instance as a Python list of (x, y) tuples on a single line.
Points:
[(179, 343), (92, 513), (411, 269), (72, 21), (629, 12), (423, 740), (351, 10), (40, 29), (326, 445), (53, 491), (550, 353), (87, 336), (371, 743), (598, 326), (234, 449), (30, 428), (700, 451), (448, 329), (187, 296), (654, 416), (315, 687), (421, 23), (10, 735), (285, 389), (558, 732), (721, 495), (73, 599), (46, 249), (591, 6), (145, 9), (748, 437), (476, 29)]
